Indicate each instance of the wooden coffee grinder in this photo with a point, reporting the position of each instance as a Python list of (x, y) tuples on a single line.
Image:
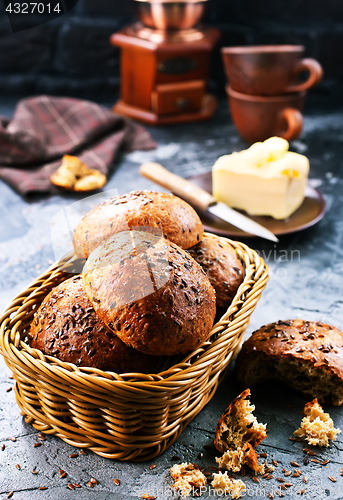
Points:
[(165, 63)]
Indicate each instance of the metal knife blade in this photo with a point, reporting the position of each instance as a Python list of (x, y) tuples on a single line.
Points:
[(200, 198), (241, 221)]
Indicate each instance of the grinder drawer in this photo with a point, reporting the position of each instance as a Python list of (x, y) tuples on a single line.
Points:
[(171, 98)]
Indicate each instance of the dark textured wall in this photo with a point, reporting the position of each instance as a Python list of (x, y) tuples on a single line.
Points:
[(71, 55)]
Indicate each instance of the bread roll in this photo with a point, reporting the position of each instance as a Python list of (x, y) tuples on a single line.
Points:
[(67, 327), (176, 220), (151, 293), (222, 266), (305, 355)]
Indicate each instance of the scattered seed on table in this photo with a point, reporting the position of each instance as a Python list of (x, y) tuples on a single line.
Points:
[(294, 463), (10, 494), (296, 474), (270, 495), (116, 482), (301, 492), (306, 460), (18, 466), (9, 389), (200, 454), (34, 471), (283, 470), (175, 457), (280, 493), (324, 462), (298, 440), (256, 479), (288, 473), (275, 463), (263, 455), (288, 485), (36, 445), (305, 479), (280, 479), (153, 466), (3, 447), (270, 476), (71, 486), (82, 452), (282, 487), (208, 447), (41, 437), (265, 475), (342, 471), (73, 455), (90, 485), (43, 488), (206, 473), (77, 485), (94, 481), (315, 460), (332, 479), (13, 439), (309, 452), (213, 468), (63, 475)]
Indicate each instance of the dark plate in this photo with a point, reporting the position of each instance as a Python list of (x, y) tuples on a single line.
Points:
[(309, 213)]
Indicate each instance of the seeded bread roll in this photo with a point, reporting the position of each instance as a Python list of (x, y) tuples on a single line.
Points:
[(172, 216), (238, 426), (67, 327), (305, 355), (222, 266), (151, 293)]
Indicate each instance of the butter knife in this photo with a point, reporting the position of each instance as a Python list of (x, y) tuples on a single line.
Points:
[(200, 198)]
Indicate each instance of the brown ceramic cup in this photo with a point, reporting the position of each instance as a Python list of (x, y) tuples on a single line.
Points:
[(269, 69), (259, 117)]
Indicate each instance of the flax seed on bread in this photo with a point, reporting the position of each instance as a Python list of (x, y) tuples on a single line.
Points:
[(304, 355)]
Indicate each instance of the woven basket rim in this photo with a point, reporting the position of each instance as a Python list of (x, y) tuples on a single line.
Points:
[(102, 378)]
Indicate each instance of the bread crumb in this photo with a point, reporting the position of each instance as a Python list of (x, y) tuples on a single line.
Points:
[(223, 484), (238, 425), (73, 174), (235, 459), (187, 477), (316, 426)]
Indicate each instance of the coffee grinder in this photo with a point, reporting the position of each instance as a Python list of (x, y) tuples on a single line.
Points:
[(165, 63)]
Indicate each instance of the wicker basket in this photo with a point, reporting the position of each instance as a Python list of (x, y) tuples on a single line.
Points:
[(130, 416)]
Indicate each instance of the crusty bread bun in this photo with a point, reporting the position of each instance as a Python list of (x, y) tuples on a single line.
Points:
[(305, 355), (238, 425), (67, 327), (222, 266), (176, 220), (316, 426), (150, 292)]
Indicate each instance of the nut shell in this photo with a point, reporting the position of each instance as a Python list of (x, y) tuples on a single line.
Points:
[(67, 327), (175, 218), (157, 299), (305, 355), (222, 266)]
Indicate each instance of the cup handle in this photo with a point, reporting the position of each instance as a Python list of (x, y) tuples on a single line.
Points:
[(294, 124), (315, 75)]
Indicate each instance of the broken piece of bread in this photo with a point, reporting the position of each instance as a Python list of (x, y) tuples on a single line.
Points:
[(235, 459), (187, 478), (238, 425), (223, 484), (74, 175), (316, 426)]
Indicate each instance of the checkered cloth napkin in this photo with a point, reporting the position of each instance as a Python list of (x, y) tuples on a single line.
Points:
[(45, 128)]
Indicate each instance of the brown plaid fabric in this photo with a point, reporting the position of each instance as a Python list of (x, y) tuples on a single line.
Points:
[(45, 128)]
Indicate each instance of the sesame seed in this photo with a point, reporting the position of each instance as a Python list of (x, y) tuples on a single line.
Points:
[(90, 485), (282, 487), (295, 464), (116, 482), (13, 439), (280, 479), (324, 462), (73, 455), (94, 481), (288, 485), (274, 462), (305, 479), (36, 445), (309, 452), (270, 495), (288, 473), (77, 485), (18, 466), (315, 460), (332, 479), (63, 475), (265, 475), (153, 466), (270, 476), (71, 486)]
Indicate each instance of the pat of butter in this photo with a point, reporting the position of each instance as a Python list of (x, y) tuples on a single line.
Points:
[(265, 179)]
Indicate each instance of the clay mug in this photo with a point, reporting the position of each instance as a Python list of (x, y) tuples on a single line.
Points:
[(269, 69), (259, 117)]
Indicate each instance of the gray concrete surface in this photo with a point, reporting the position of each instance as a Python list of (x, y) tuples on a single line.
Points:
[(308, 284)]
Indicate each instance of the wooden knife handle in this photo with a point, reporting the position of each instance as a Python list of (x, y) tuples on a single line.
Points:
[(181, 187)]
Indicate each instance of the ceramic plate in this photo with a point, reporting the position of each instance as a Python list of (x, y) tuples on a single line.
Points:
[(309, 213)]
